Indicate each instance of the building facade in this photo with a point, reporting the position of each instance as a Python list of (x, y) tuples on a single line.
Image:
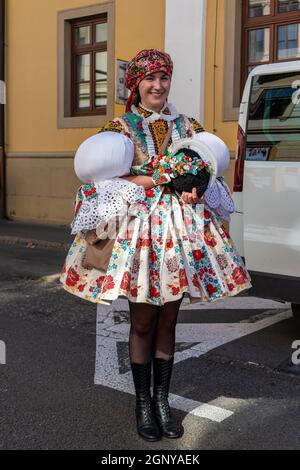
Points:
[(63, 74)]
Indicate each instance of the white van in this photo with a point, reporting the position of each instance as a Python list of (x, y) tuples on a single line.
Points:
[(266, 226)]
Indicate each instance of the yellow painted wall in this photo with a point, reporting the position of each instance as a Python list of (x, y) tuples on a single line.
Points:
[(214, 77), (43, 189), (32, 65), (140, 24)]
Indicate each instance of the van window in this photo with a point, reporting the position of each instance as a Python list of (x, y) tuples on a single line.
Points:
[(274, 118)]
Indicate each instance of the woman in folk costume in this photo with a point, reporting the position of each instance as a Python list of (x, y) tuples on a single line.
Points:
[(177, 243)]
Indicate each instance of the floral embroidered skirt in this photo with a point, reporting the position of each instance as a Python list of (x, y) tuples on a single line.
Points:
[(168, 248)]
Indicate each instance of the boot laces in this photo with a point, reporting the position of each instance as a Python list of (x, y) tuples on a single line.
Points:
[(145, 407), (163, 406)]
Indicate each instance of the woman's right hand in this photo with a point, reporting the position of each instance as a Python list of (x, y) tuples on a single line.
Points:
[(190, 198)]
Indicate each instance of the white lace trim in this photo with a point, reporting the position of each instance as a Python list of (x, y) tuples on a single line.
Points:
[(219, 199), (110, 201), (156, 116)]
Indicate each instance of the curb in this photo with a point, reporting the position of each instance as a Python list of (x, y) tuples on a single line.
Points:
[(32, 243)]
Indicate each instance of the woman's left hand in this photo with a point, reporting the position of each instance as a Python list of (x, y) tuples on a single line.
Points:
[(190, 198)]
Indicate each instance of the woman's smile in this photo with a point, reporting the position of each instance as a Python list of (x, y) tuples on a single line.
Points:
[(154, 90)]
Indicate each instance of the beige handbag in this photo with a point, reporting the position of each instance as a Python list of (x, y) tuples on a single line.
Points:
[(98, 251)]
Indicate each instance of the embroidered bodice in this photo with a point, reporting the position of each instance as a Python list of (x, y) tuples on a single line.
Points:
[(148, 129)]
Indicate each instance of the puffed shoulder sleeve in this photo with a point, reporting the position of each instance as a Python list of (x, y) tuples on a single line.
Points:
[(196, 125)]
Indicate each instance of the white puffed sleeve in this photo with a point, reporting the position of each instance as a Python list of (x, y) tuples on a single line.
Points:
[(217, 196), (219, 149), (215, 153), (99, 162), (103, 156)]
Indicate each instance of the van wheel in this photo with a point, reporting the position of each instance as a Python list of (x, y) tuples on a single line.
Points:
[(296, 311)]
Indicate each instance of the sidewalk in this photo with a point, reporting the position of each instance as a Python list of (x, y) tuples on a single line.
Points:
[(34, 234)]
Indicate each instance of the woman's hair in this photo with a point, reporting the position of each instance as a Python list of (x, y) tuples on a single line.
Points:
[(137, 98)]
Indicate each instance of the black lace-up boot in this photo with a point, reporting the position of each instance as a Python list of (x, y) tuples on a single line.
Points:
[(147, 426), (162, 371)]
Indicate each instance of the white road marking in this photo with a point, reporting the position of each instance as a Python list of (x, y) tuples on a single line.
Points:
[(206, 336), (196, 408)]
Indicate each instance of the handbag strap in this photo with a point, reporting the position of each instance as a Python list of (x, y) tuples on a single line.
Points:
[(167, 138)]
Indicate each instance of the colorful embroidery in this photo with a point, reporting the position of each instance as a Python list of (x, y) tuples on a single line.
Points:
[(113, 126), (170, 247), (159, 130), (168, 166), (196, 125), (145, 113)]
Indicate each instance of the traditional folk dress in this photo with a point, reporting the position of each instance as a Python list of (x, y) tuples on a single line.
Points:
[(173, 247)]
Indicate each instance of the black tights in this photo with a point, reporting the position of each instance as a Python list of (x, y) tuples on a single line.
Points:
[(152, 331)]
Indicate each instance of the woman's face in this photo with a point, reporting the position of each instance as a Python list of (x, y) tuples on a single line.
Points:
[(154, 90)]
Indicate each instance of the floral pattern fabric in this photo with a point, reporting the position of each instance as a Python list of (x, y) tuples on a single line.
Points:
[(168, 248)]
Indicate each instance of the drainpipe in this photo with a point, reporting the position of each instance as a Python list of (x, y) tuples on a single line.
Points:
[(2, 115)]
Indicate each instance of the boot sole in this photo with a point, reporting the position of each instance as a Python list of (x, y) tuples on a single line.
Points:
[(150, 439), (172, 437)]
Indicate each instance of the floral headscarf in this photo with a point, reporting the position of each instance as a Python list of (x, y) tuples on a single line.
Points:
[(145, 62)]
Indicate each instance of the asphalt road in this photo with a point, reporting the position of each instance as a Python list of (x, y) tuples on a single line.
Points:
[(49, 400)]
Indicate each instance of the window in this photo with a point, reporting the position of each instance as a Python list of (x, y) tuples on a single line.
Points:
[(285, 6), (270, 33), (86, 71), (274, 118), (89, 66)]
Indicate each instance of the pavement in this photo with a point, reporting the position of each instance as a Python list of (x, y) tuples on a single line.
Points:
[(35, 235), (233, 386)]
